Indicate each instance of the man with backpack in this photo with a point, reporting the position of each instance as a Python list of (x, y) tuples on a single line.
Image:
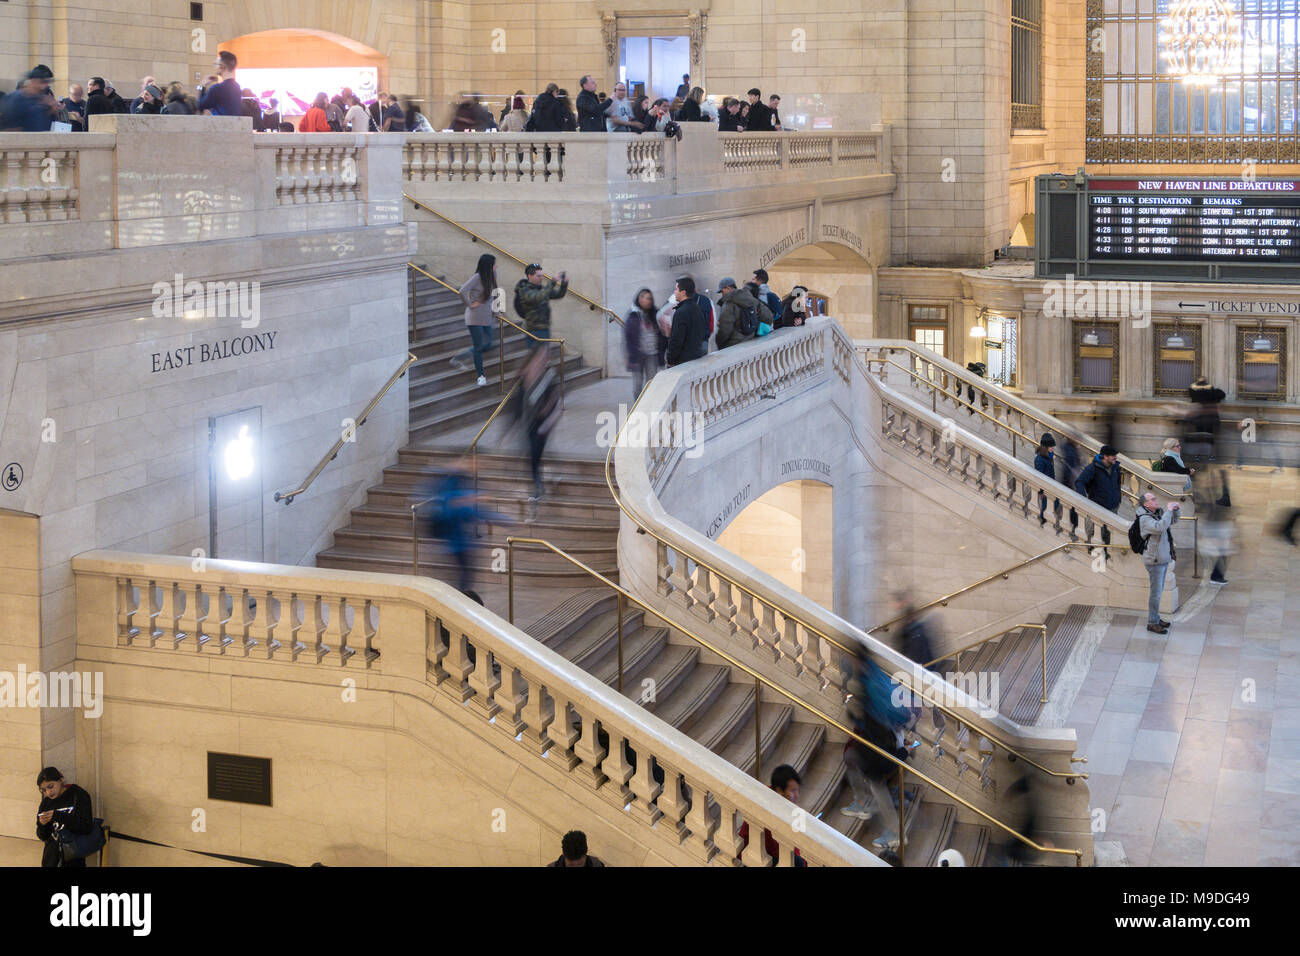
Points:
[(1151, 537), (765, 294), (739, 314), (533, 295)]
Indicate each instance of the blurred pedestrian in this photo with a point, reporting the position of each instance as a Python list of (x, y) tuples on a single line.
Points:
[(868, 768), (453, 510), (541, 405), (643, 343)]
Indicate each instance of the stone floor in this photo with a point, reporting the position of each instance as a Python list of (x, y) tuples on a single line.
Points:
[(1193, 738)]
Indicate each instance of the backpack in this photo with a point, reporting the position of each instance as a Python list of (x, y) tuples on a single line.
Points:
[(1157, 464), (334, 116), (1136, 540), (519, 303), (746, 321), (774, 304)]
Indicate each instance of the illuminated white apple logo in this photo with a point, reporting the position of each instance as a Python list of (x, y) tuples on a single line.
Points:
[(239, 456)]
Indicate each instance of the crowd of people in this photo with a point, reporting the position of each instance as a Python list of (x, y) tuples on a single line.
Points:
[(554, 111), (34, 107)]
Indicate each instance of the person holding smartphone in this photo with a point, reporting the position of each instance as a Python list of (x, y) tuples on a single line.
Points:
[(1158, 553), (63, 805)]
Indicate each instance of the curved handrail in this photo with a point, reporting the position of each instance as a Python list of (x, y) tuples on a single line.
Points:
[(1004, 574), (785, 611), (593, 306), (349, 434), (759, 679), (1139, 474)]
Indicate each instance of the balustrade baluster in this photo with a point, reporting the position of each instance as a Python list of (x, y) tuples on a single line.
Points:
[(261, 626), (512, 164), (563, 735), (700, 823), (746, 623), (498, 161), (672, 802), (484, 162), (768, 637), (618, 771), (312, 633), (168, 617), (192, 618), (483, 683), (589, 752), (510, 698), (702, 595), (457, 163), (724, 606), (645, 789), (537, 717), (444, 153), (127, 608), (338, 631), (37, 195), (457, 664), (526, 162), (680, 581)]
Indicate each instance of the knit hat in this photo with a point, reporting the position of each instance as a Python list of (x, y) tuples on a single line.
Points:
[(1108, 450), (153, 91), (1048, 440)]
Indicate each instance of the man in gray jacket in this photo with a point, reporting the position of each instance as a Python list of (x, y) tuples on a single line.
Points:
[(1158, 554)]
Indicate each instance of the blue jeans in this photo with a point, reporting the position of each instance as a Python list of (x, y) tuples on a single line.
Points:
[(481, 337), (1156, 572)]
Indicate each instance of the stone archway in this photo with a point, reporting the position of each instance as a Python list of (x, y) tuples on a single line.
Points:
[(839, 272)]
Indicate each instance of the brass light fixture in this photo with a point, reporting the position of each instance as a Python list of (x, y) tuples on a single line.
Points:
[(1201, 40)]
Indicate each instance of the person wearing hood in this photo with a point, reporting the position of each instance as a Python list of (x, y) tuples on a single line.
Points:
[(643, 342), (738, 309), (150, 101), (516, 119), (760, 279)]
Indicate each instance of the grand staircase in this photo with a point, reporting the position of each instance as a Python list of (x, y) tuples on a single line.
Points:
[(663, 669)]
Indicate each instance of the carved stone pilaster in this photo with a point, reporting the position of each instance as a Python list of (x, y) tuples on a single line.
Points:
[(609, 30), (697, 23)]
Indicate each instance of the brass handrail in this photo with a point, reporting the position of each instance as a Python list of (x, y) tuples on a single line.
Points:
[(349, 434), (594, 306), (625, 595), (501, 352), (1041, 628), (471, 450), (1015, 432), (785, 611)]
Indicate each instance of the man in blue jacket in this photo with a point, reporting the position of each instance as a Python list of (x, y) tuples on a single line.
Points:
[(1100, 483)]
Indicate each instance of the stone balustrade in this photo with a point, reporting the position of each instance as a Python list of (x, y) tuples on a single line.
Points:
[(995, 414), (636, 166), (150, 181), (790, 639), (419, 636)]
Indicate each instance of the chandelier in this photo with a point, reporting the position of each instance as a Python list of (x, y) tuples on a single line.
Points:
[(1201, 40)]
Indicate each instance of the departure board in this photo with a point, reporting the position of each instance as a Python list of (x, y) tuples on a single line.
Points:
[(1194, 220)]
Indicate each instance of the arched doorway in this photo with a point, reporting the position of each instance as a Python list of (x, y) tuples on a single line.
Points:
[(841, 278), (788, 533), (294, 65)]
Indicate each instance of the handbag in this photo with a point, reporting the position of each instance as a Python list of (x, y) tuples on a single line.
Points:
[(77, 846)]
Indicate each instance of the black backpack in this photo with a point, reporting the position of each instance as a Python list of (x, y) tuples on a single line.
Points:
[(1136, 540), (519, 303), (747, 321)]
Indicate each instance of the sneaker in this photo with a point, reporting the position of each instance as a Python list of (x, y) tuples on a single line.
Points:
[(532, 509), (458, 363), (883, 842), (856, 809), (1214, 580), (482, 379), (1157, 629)]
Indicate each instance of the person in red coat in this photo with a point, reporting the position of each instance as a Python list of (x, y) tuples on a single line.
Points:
[(316, 121)]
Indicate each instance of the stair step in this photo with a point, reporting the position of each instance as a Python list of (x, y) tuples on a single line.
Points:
[(444, 569), (433, 457), (971, 840), (692, 696), (1025, 708), (929, 835), (739, 750)]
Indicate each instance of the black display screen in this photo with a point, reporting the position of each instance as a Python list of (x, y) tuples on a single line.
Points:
[(1194, 220)]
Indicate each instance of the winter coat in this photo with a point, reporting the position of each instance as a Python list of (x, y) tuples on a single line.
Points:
[(1160, 541), (632, 337), (536, 300), (732, 304), (690, 334), (1100, 484)]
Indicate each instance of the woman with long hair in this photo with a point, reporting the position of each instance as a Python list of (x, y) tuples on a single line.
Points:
[(642, 341), (794, 308), (315, 120), (476, 293), (690, 111)]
